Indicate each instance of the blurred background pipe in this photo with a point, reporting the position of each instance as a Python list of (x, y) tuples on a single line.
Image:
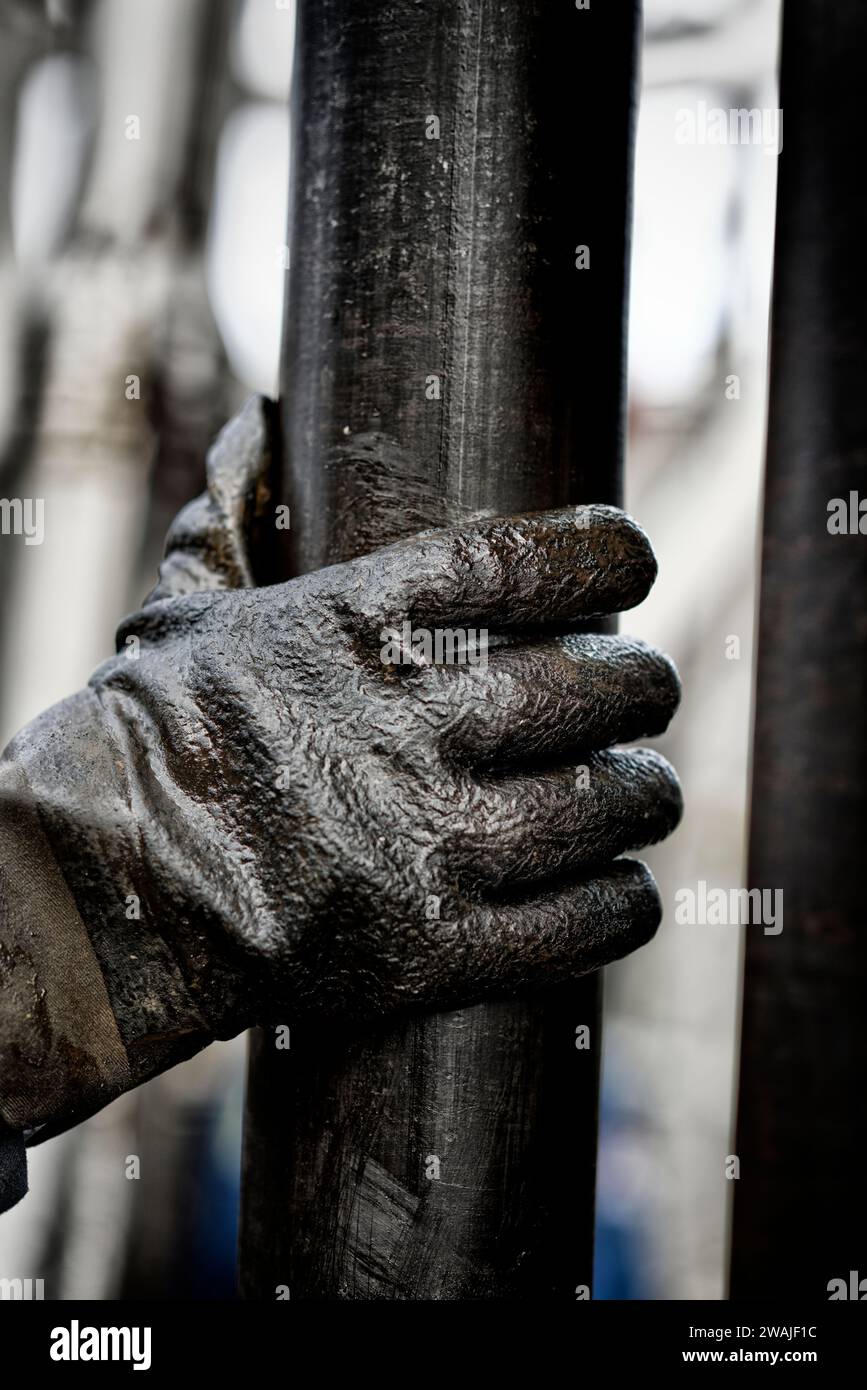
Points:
[(799, 1216)]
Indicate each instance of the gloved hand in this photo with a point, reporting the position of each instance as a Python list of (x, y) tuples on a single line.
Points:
[(249, 816)]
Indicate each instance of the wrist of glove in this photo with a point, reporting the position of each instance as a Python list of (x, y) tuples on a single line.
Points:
[(269, 803), (110, 972)]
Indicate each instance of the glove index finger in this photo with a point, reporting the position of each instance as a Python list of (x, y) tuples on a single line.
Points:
[(516, 572)]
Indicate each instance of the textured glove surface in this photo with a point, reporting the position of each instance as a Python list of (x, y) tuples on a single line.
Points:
[(258, 816)]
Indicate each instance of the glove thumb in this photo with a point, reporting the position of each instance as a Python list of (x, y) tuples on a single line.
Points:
[(226, 538)]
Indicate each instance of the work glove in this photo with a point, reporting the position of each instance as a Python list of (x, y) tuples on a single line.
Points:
[(276, 802)]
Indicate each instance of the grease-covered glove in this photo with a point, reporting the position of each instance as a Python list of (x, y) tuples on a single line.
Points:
[(267, 805)]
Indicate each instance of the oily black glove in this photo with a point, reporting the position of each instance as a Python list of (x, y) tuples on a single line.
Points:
[(267, 804)]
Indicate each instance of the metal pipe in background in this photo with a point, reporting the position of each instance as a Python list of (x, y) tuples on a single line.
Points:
[(800, 1207), (444, 354)]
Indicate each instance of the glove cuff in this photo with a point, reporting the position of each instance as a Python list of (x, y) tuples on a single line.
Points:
[(94, 999)]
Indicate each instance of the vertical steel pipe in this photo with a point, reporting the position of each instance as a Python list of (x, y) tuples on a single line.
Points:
[(444, 354)]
